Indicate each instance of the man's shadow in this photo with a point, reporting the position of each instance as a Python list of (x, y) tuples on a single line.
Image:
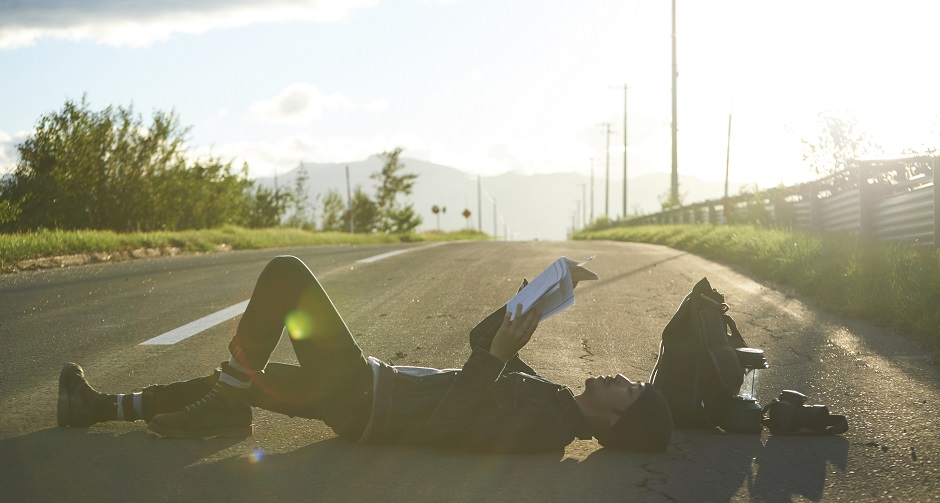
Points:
[(125, 463), (122, 462), (94, 464), (337, 470)]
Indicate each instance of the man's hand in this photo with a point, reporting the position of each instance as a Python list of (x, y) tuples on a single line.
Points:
[(514, 334)]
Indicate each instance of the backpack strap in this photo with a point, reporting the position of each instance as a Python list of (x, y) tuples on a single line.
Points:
[(659, 360), (736, 340), (709, 321)]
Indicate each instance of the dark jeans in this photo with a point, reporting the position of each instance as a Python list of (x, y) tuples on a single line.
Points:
[(333, 382)]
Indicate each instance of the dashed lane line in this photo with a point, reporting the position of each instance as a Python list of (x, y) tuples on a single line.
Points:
[(382, 256), (190, 329)]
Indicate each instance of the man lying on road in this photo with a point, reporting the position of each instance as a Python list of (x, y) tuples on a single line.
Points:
[(495, 403)]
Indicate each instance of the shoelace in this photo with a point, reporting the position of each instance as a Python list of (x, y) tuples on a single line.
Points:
[(202, 401)]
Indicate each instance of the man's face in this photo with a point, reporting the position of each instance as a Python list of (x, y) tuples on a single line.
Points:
[(613, 393)]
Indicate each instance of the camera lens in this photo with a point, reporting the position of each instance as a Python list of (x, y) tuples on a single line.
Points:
[(794, 397)]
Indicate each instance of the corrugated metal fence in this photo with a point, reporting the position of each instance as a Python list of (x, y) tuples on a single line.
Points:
[(890, 200)]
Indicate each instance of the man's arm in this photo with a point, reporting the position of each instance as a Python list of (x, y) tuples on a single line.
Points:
[(481, 336), (514, 334)]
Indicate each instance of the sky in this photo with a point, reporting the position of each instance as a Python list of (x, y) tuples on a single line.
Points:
[(484, 86)]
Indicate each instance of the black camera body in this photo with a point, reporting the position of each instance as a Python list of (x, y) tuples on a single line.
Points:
[(789, 414)]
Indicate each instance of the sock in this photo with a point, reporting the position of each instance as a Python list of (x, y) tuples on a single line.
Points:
[(130, 407), (235, 374), (124, 407)]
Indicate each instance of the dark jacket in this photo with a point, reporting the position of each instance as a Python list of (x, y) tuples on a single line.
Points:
[(484, 406), (478, 407)]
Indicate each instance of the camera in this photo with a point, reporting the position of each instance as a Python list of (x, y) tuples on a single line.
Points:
[(789, 414)]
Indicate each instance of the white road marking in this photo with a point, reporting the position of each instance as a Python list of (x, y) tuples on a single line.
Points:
[(382, 256), (190, 329)]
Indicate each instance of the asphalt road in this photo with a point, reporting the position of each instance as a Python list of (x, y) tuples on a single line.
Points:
[(415, 308)]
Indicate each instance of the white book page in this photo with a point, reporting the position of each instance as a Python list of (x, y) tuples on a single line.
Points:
[(543, 291)]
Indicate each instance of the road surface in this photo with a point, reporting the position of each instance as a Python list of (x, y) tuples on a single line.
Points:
[(415, 308)]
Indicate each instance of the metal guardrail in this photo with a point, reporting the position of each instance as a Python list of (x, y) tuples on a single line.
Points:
[(889, 200)]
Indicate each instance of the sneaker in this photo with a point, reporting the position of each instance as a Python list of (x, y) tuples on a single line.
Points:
[(221, 413), (77, 398)]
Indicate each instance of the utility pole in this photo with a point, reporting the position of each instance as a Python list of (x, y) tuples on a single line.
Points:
[(495, 230), (728, 155), (607, 175), (577, 213), (583, 205), (624, 149), (479, 204), (674, 193), (592, 190), (349, 202)]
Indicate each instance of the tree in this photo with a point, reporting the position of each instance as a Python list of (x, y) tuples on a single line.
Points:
[(365, 212), (393, 216), (83, 169), (334, 211), (9, 212), (839, 140), (264, 207), (302, 216)]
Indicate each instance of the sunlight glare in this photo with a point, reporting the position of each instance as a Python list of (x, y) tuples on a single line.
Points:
[(299, 324), (255, 456)]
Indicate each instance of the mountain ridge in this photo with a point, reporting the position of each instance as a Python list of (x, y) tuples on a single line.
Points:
[(527, 207)]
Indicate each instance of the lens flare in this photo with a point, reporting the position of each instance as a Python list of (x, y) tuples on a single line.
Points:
[(299, 324), (255, 457)]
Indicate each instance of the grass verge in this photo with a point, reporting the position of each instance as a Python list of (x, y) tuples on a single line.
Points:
[(27, 250), (889, 284)]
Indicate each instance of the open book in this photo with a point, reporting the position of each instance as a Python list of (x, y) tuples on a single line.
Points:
[(552, 291)]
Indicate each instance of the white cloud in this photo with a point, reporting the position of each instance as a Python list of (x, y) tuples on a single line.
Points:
[(8, 153), (302, 103), (144, 23)]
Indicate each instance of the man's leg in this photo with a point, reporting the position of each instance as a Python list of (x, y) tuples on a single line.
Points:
[(286, 294), (81, 405)]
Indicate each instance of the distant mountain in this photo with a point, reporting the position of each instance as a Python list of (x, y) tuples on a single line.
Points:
[(527, 206)]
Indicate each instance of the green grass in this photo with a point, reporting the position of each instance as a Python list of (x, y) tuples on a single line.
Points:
[(892, 285), (17, 248)]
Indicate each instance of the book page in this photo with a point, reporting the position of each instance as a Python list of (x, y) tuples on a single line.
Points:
[(551, 291), (558, 299)]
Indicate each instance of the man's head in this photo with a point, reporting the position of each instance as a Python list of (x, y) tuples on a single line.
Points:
[(626, 415)]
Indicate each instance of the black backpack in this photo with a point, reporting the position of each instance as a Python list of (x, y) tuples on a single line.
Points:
[(698, 370)]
